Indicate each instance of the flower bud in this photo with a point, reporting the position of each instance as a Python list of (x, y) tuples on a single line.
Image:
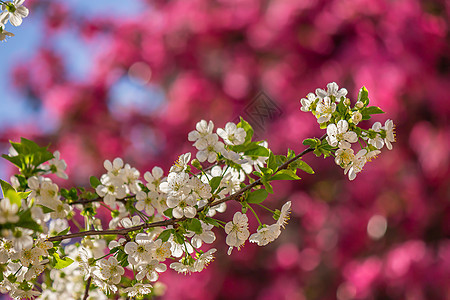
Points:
[(359, 105), (347, 102), (356, 117)]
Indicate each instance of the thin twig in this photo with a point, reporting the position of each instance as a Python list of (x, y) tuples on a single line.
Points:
[(86, 291)]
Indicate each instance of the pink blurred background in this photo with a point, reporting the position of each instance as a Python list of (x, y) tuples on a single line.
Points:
[(131, 79)]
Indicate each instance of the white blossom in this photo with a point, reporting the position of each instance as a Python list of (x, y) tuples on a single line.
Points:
[(140, 250), (150, 270), (145, 201), (232, 135), (208, 148), (306, 102), (8, 212), (207, 236), (325, 108), (377, 141), (204, 259), (266, 234), (154, 178), (332, 90), (390, 133), (181, 163), (14, 11), (110, 270), (138, 290), (284, 214), (339, 135), (237, 231), (356, 165), (110, 190)]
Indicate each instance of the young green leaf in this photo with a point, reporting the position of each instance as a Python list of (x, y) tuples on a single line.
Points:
[(284, 175), (95, 182), (248, 129), (61, 263), (363, 96), (165, 235), (214, 183), (212, 221), (372, 110), (194, 225), (257, 196)]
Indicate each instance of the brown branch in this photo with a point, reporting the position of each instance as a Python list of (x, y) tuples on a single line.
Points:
[(86, 291), (173, 221)]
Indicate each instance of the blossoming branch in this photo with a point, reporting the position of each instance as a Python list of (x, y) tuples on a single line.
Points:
[(161, 216)]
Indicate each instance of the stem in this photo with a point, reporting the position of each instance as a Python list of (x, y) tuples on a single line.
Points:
[(272, 211), (86, 291), (254, 212)]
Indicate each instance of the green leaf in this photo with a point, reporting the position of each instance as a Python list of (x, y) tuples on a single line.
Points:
[(271, 162), (26, 221), (284, 175), (212, 221), (168, 213), (311, 142), (73, 194), (16, 160), (267, 185), (194, 225), (61, 263), (10, 193), (363, 96), (64, 232), (45, 209), (341, 108), (257, 151), (165, 235), (248, 129), (300, 164), (372, 110), (179, 238), (290, 154), (214, 183), (95, 182), (257, 196)]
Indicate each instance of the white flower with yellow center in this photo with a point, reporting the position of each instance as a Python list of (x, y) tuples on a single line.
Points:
[(161, 250), (154, 178), (344, 157), (339, 135), (139, 251), (325, 108), (14, 12), (237, 231), (146, 201), (232, 135), (150, 270), (357, 164), (110, 270)]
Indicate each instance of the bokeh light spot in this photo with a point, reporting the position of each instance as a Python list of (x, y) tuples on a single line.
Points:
[(140, 72), (376, 228)]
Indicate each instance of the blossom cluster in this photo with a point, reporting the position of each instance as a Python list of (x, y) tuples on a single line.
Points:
[(334, 112), (159, 217), (14, 12)]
